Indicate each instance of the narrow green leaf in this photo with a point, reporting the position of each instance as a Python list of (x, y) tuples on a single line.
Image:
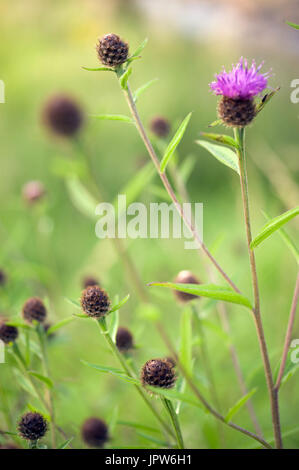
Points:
[(265, 100), (186, 340), (225, 155), (294, 25), (125, 77), (24, 383), (81, 198), (174, 143), (143, 88), (66, 443), (175, 395), (59, 325), (222, 138), (273, 225), (111, 370), (240, 403), (82, 315), (73, 302), (287, 240), (98, 69), (19, 324), (113, 117), (218, 122), (120, 304), (208, 290), (153, 439), (139, 49), (48, 382)]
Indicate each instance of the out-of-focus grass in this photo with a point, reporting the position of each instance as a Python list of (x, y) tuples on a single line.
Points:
[(42, 50)]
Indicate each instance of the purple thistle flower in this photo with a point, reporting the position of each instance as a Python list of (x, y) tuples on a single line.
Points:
[(242, 82)]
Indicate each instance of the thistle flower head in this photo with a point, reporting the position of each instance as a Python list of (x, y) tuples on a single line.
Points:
[(32, 426), (95, 301), (63, 116), (34, 309), (8, 334), (242, 82), (94, 432), (112, 51), (124, 339), (158, 373)]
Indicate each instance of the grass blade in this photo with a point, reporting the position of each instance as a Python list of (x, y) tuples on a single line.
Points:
[(240, 403), (174, 143)]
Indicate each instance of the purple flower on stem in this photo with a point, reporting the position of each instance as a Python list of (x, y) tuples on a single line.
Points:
[(242, 82)]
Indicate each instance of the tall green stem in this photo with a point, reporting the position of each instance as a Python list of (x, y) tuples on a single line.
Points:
[(240, 139), (103, 327), (175, 422)]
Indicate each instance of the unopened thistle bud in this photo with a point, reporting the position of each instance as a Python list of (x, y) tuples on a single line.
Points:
[(95, 302), (94, 432), (238, 89), (112, 51), (160, 126), (63, 116), (185, 277), (8, 334), (90, 281), (124, 339), (32, 426), (158, 373), (33, 191), (34, 309), (2, 277)]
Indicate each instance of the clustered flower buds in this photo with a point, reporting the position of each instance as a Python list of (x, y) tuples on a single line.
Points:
[(158, 373), (95, 301), (2, 277), (160, 126), (124, 339), (33, 191), (90, 281), (185, 277), (112, 51), (34, 309), (238, 88), (32, 426), (63, 116), (8, 334), (94, 432)]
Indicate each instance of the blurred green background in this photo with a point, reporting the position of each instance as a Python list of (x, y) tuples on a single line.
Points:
[(47, 249)]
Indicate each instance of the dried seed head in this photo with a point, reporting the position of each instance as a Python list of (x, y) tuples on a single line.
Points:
[(34, 309), (63, 116), (112, 51), (124, 339), (236, 112), (33, 191), (94, 432), (32, 426), (95, 301), (185, 277), (171, 361), (8, 334), (160, 126), (90, 281), (158, 373), (3, 278)]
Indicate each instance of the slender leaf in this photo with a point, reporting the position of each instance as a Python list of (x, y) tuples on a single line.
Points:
[(273, 225), (139, 49), (287, 240), (294, 25), (73, 302), (222, 138), (113, 117), (143, 88), (81, 198), (19, 324), (66, 443), (240, 403), (24, 383), (59, 325), (174, 143), (208, 290), (98, 69), (153, 439), (111, 370), (46, 380), (266, 100), (120, 304), (175, 395), (218, 122), (225, 155), (125, 77)]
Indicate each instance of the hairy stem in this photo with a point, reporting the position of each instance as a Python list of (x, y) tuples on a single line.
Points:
[(103, 327), (175, 422), (240, 138), (288, 335)]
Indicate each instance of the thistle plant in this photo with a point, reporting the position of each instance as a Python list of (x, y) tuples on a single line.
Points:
[(237, 109)]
